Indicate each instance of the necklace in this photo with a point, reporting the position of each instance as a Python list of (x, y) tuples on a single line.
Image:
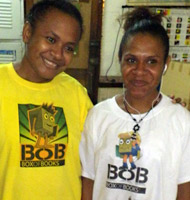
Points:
[(136, 127), (129, 146)]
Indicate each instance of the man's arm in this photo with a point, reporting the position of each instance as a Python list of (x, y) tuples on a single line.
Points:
[(87, 188), (183, 191)]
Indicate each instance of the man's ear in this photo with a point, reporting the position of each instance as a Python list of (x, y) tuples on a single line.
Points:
[(27, 32)]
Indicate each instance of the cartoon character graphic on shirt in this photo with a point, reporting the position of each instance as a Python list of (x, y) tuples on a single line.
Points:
[(128, 148), (42, 124)]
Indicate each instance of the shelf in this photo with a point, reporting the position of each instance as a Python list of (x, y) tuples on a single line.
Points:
[(111, 81), (173, 4)]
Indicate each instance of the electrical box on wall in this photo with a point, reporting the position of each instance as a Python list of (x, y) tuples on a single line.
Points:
[(11, 24), (11, 51)]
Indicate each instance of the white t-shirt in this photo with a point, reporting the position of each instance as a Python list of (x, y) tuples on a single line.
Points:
[(164, 159)]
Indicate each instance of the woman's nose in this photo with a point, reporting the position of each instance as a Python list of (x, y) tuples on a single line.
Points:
[(57, 52), (140, 68)]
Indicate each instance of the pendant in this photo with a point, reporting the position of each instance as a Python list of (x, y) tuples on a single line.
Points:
[(136, 128), (129, 148)]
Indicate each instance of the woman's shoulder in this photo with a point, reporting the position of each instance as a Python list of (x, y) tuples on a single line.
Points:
[(103, 107), (5, 69), (105, 103), (70, 82), (175, 108), (63, 76), (5, 66)]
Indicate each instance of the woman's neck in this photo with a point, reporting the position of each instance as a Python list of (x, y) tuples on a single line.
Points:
[(136, 106)]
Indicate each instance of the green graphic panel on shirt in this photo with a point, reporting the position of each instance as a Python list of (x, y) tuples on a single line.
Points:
[(43, 135)]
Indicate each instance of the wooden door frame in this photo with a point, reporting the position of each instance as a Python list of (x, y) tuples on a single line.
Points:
[(94, 49)]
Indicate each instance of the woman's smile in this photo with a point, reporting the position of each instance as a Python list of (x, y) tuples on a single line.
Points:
[(138, 83), (49, 64)]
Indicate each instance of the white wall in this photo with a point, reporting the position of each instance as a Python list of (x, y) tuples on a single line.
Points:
[(112, 11)]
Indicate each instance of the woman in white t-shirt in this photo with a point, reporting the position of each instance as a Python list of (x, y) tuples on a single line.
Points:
[(136, 145)]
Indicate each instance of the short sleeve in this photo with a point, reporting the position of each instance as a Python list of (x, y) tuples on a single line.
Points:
[(86, 105), (87, 149), (184, 172)]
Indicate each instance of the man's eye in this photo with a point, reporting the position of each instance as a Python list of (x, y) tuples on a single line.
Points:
[(51, 40)]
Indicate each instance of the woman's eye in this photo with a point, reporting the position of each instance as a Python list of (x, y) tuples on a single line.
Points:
[(69, 49), (152, 61), (51, 40), (130, 60)]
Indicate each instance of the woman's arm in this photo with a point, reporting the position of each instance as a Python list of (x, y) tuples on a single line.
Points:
[(87, 188), (183, 191)]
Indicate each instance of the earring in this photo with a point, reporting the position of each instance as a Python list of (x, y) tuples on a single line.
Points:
[(165, 68)]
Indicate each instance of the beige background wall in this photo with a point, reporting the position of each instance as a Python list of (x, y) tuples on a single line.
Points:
[(177, 81)]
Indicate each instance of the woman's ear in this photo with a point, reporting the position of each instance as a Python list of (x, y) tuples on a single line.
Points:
[(166, 65), (168, 61), (27, 32)]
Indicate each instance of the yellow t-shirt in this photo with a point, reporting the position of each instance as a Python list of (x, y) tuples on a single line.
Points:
[(40, 131)]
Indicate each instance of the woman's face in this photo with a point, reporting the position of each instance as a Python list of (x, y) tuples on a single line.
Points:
[(50, 46), (142, 65)]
